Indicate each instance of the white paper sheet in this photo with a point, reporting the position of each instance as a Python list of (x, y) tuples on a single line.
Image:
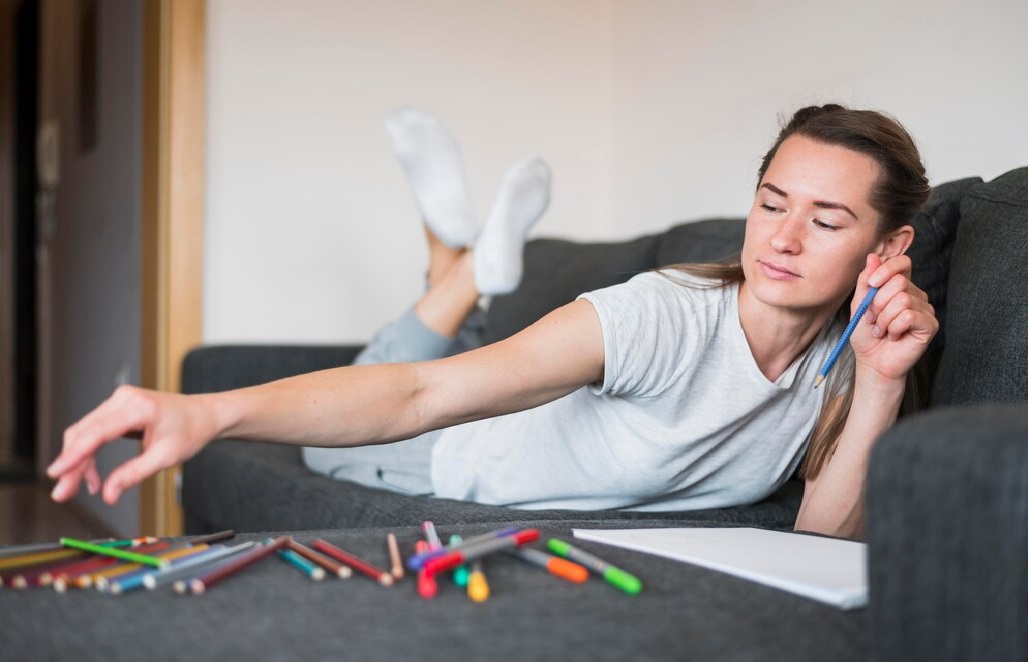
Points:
[(825, 569)]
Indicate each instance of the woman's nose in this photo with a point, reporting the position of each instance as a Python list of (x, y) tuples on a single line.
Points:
[(786, 238)]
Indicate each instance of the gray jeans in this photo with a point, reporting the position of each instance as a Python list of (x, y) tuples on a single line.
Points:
[(402, 466)]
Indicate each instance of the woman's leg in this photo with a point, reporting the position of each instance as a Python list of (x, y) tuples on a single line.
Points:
[(431, 160), (450, 322), (446, 320)]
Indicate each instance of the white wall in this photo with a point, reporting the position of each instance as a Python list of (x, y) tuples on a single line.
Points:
[(699, 87), (312, 234), (649, 112)]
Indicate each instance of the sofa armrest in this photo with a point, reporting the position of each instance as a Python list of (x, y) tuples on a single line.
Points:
[(223, 367), (948, 536)]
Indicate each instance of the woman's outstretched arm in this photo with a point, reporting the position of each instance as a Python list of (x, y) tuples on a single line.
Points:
[(340, 407)]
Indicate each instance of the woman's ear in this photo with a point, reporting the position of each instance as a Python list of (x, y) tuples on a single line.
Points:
[(896, 242)]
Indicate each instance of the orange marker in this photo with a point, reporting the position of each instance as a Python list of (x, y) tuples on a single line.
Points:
[(554, 565)]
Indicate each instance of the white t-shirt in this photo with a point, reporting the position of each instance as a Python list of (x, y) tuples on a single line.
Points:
[(684, 419)]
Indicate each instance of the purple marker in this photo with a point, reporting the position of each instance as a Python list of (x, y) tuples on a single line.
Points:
[(417, 561)]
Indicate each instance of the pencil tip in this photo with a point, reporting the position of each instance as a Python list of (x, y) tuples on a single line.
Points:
[(817, 382)]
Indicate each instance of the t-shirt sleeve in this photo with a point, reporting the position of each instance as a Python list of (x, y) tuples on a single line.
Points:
[(650, 329)]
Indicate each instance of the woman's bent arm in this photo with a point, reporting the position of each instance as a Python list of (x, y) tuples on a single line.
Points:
[(339, 407), (898, 327)]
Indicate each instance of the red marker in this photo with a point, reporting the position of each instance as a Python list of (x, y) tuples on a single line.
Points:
[(455, 558), (427, 586)]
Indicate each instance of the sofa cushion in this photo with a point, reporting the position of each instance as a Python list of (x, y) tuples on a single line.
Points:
[(935, 231), (556, 271), (985, 358), (250, 486)]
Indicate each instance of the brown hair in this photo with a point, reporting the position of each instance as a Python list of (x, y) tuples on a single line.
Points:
[(898, 193)]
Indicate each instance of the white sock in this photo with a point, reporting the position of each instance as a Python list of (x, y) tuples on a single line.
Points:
[(431, 159), (521, 201)]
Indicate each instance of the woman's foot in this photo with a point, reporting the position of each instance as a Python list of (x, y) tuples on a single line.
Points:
[(521, 201), (431, 158)]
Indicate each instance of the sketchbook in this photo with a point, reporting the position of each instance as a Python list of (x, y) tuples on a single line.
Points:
[(825, 569)]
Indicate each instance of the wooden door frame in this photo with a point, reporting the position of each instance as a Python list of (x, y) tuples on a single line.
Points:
[(174, 121)]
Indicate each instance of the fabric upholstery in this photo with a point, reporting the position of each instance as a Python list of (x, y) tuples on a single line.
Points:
[(935, 231), (947, 537), (985, 359), (947, 496), (269, 612), (557, 271)]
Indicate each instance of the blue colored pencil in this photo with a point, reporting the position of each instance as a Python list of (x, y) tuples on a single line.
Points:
[(834, 356), (315, 572)]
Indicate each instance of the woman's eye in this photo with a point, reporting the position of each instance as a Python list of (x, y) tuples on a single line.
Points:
[(824, 226), (767, 207)]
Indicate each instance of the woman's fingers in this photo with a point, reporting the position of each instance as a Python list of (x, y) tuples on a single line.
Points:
[(903, 312), (172, 429), (117, 416), (899, 265), (134, 471)]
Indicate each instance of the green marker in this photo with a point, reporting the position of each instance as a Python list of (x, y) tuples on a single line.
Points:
[(460, 573), (614, 576), (116, 553)]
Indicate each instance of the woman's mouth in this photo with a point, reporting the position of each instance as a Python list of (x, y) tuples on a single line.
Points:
[(777, 271)]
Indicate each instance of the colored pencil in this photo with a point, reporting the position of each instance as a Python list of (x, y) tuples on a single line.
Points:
[(315, 572), (336, 568), (834, 356), (128, 542), (103, 579), (129, 581), (80, 575), (328, 549), (194, 565), (211, 537), (394, 556), (37, 558), (209, 579), (21, 550), (26, 575), (116, 553)]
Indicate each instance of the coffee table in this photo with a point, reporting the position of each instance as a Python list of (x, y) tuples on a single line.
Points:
[(271, 612)]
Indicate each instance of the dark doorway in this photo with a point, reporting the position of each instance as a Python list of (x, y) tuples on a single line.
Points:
[(26, 84)]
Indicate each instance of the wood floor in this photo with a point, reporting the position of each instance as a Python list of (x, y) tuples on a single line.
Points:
[(28, 514)]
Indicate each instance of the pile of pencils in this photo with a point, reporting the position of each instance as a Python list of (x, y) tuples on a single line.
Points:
[(196, 564)]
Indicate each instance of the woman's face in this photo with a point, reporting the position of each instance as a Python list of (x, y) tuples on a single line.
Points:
[(811, 226)]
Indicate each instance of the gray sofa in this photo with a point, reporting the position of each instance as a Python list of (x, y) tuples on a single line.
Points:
[(947, 488)]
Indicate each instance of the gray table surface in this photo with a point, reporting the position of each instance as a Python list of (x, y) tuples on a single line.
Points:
[(271, 612)]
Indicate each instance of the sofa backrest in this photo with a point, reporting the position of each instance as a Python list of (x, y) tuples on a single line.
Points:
[(556, 271), (985, 357)]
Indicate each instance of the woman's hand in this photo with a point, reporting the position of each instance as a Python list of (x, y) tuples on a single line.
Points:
[(899, 323), (172, 427)]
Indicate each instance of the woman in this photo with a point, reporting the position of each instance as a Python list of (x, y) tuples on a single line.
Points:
[(688, 388)]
